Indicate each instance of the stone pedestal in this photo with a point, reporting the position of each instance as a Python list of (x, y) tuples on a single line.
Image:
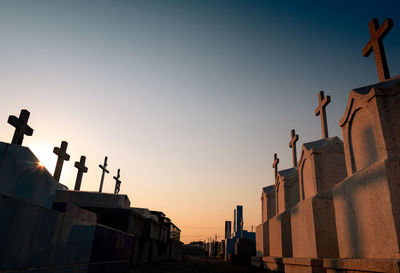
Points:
[(367, 202), (262, 239), (280, 239), (313, 228)]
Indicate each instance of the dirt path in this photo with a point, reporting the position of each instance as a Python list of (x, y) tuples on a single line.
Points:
[(196, 265)]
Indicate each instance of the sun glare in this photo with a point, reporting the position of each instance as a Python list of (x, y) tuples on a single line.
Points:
[(46, 158)]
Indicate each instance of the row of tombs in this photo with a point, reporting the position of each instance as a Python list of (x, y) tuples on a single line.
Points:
[(47, 228), (337, 209)]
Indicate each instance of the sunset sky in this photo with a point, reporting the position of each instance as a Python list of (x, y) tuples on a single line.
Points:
[(190, 99)]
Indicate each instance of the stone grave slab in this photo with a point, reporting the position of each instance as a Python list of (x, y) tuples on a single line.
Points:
[(112, 250), (93, 199), (274, 264), (303, 265), (367, 201), (21, 176), (37, 237), (361, 265)]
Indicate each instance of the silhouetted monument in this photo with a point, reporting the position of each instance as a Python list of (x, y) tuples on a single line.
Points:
[(104, 168), (62, 156), (21, 127), (117, 183), (80, 165), (320, 111), (275, 165), (292, 144), (376, 45)]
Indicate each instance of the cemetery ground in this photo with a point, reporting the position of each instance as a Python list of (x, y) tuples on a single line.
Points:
[(196, 265)]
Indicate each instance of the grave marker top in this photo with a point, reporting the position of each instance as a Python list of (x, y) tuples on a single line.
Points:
[(320, 110), (376, 45), (80, 165), (117, 183), (62, 156), (104, 168), (275, 165), (292, 144), (21, 126)]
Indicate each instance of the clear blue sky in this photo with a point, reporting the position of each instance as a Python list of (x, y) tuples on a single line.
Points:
[(189, 98)]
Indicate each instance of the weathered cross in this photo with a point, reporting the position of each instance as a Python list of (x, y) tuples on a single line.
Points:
[(104, 171), (376, 45), (323, 102), (117, 183), (275, 165), (80, 165), (21, 126), (292, 144), (62, 156)]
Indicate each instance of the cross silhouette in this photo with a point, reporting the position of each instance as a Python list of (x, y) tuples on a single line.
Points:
[(117, 183), (62, 156), (275, 165), (104, 171), (376, 45), (80, 165), (323, 102), (292, 144), (21, 126)]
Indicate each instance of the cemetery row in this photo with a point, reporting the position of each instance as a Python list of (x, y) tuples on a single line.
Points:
[(47, 228), (337, 209)]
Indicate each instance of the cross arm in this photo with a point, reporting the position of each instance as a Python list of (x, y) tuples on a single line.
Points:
[(13, 120)]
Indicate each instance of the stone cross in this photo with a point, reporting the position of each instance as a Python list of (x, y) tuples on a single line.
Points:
[(62, 156), (21, 126), (292, 144), (117, 183), (104, 168), (376, 45), (323, 102), (275, 165), (80, 165)]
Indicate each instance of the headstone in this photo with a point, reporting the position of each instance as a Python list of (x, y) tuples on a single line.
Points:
[(367, 202), (22, 177), (321, 167), (117, 183), (80, 165), (21, 127), (268, 211), (62, 156), (104, 170), (376, 45), (286, 195), (268, 203)]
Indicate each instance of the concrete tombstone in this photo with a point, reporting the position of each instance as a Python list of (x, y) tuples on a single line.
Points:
[(367, 201), (262, 230)]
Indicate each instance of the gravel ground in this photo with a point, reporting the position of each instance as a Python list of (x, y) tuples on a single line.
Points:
[(196, 265)]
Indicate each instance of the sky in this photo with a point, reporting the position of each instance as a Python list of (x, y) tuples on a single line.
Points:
[(190, 99)]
